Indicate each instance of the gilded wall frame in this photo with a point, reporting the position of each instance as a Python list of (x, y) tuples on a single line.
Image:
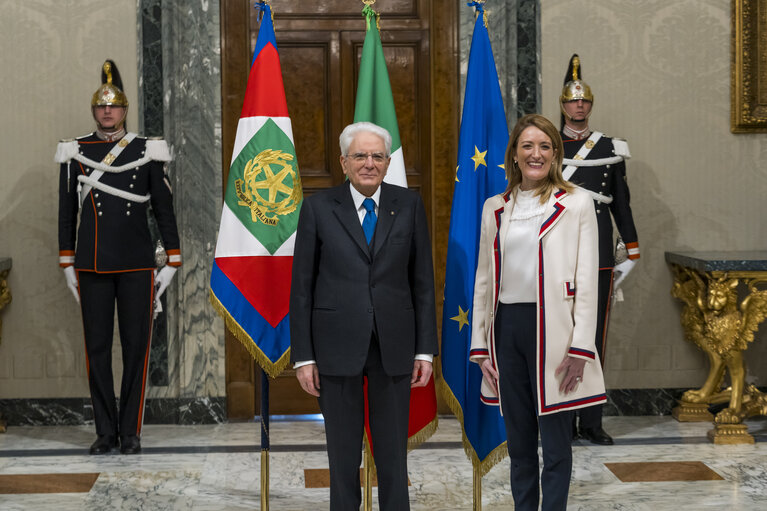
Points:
[(749, 67)]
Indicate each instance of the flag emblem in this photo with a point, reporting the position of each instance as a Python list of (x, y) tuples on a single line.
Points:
[(269, 187)]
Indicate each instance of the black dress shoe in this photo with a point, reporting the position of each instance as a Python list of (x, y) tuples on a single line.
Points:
[(103, 444), (130, 444), (596, 436)]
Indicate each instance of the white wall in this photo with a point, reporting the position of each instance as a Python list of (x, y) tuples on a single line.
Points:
[(660, 73), (50, 63)]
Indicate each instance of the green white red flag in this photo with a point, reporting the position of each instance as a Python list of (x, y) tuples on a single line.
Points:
[(375, 104)]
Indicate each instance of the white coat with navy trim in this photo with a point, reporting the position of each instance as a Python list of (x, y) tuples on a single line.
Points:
[(567, 268)]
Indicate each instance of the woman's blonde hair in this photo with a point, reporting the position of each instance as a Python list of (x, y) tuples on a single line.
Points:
[(554, 180)]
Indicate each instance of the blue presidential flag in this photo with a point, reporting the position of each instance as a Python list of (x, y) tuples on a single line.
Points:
[(480, 174)]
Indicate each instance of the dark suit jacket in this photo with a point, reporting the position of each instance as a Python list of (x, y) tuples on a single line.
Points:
[(342, 289)]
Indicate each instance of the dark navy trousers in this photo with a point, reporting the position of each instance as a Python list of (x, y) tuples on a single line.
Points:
[(515, 340)]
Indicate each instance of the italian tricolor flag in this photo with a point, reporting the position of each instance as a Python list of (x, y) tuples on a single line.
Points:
[(374, 98), (250, 280), (375, 104)]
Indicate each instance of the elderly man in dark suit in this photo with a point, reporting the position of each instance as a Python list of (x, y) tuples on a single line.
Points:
[(362, 304)]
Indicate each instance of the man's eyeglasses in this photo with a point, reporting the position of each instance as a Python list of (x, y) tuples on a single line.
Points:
[(378, 158)]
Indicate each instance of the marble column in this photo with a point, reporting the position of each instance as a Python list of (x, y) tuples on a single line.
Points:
[(514, 29), (180, 100), (192, 110)]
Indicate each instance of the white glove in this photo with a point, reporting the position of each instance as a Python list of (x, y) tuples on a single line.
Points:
[(163, 279), (71, 278), (623, 269)]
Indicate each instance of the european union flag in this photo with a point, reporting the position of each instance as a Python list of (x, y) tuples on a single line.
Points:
[(480, 174)]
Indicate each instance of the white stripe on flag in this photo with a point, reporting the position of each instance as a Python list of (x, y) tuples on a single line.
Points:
[(248, 126), (396, 173), (234, 240)]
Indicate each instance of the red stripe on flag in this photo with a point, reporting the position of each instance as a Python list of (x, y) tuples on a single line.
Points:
[(265, 94), (264, 281), (423, 409)]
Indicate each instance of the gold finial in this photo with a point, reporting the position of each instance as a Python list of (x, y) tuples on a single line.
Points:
[(368, 2), (576, 65), (108, 72)]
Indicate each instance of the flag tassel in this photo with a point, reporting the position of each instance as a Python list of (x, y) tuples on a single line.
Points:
[(494, 457), (272, 369)]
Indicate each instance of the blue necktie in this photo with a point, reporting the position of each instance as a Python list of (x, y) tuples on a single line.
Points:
[(369, 222)]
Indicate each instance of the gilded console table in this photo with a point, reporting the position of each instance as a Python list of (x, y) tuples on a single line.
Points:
[(722, 325), (5, 299)]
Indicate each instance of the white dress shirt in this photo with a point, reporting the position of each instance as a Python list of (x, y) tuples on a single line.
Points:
[(520, 249)]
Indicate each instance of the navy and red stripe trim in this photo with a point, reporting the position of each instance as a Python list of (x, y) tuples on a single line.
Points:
[(541, 330), (582, 353), (559, 208), (576, 402)]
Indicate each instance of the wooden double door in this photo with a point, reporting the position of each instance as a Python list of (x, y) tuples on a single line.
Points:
[(320, 43)]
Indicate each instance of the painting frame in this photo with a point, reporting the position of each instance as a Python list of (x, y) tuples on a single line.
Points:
[(749, 77)]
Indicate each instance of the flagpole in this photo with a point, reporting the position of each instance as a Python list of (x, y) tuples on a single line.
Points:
[(264, 441), (367, 472), (477, 487)]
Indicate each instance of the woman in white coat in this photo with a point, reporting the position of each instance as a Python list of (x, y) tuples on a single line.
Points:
[(535, 311)]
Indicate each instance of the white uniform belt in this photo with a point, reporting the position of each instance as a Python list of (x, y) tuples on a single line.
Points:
[(592, 163), (604, 199), (111, 190)]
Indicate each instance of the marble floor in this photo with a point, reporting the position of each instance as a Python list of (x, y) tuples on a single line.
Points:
[(217, 467)]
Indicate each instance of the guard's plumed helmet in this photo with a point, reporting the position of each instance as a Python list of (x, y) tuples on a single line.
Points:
[(110, 93), (575, 88)]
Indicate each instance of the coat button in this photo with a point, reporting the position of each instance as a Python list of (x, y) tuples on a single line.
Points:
[(607, 167), (599, 211), (98, 204), (605, 174), (604, 184), (96, 195), (101, 213), (127, 213), (134, 176), (131, 185)]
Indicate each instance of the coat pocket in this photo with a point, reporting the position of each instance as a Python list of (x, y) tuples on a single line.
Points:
[(569, 290)]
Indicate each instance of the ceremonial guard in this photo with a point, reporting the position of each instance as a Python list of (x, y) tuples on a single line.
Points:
[(110, 178), (596, 163)]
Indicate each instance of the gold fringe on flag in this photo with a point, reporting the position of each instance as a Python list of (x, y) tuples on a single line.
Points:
[(495, 456), (423, 435), (273, 369)]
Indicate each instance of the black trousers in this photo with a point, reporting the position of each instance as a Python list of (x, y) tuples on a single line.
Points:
[(591, 417), (515, 335), (343, 406), (133, 292)]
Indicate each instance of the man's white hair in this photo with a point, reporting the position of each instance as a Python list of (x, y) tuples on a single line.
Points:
[(352, 130)]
